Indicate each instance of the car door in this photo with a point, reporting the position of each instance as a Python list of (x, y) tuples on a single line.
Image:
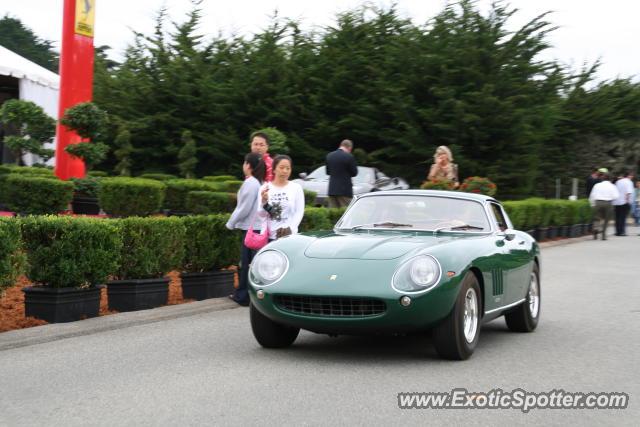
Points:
[(516, 266)]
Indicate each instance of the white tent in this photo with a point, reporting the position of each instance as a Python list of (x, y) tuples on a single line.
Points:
[(36, 84)]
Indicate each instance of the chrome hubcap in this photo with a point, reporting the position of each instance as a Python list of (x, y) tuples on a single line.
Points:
[(470, 315), (534, 296)]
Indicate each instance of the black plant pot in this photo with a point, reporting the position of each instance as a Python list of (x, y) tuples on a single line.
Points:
[(137, 294), (564, 231), (60, 305), (85, 205), (209, 284), (541, 233)]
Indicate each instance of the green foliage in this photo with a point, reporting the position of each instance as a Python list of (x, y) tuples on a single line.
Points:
[(88, 120), (335, 214), (152, 247), (479, 185), (177, 190), (11, 256), (122, 197), (232, 186), (220, 178), (86, 187), (309, 197), (97, 174), (315, 219), (438, 184), (471, 80), (277, 140), (27, 170), (208, 244), (187, 156), (584, 211), (70, 252), (91, 153), (123, 151), (158, 176), (36, 195), (32, 126), (517, 213), (208, 202), (15, 36)]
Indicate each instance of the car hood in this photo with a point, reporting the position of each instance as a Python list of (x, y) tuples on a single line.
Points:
[(368, 246)]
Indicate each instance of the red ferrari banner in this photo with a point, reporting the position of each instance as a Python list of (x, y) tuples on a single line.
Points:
[(76, 78)]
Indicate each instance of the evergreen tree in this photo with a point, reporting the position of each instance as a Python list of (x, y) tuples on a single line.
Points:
[(187, 156), (21, 40)]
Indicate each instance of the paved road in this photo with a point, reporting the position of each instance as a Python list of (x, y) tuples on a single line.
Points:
[(207, 368)]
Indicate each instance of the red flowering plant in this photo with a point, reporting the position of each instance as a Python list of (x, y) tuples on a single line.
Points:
[(439, 184), (478, 185)]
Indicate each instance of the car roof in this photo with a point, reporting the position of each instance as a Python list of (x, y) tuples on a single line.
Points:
[(438, 193)]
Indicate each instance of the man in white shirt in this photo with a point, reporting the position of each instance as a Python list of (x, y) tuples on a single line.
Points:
[(602, 194), (622, 203)]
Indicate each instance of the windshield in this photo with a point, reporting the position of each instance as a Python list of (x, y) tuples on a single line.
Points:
[(415, 213), (365, 175)]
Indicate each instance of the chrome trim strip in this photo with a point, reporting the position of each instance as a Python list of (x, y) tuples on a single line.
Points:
[(504, 307)]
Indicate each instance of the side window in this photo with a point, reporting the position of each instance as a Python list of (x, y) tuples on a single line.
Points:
[(500, 220)]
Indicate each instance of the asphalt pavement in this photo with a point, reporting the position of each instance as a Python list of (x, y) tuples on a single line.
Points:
[(202, 366)]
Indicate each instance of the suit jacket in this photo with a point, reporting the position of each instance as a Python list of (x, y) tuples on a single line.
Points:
[(341, 166)]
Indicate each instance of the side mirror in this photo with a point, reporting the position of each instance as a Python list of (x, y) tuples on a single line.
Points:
[(303, 175), (508, 234)]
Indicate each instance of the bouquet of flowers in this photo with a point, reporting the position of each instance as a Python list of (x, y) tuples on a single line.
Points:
[(480, 185)]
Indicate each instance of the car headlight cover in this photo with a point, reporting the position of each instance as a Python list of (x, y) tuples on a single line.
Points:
[(417, 275), (268, 267)]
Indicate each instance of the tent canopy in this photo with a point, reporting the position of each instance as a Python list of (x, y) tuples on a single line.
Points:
[(12, 64)]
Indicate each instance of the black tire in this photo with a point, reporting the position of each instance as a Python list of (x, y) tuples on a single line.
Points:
[(525, 317), (269, 333), (449, 336)]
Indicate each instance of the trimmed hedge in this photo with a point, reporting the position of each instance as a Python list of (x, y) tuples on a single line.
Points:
[(11, 256), (315, 219), (27, 170), (151, 247), (177, 190), (232, 186), (86, 187), (122, 197), (220, 178), (97, 174), (208, 244), (335, 214), (209, 202), (35, 195), (158, 176), (309, 197), (70, 252)]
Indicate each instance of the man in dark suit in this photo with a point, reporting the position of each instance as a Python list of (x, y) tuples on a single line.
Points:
[(341, 166)]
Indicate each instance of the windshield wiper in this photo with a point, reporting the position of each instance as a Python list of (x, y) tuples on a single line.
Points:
[(391, 224), (465, 226)]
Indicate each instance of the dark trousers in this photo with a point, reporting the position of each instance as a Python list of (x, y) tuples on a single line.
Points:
[(621, 218), (246, 256), (602, 212)]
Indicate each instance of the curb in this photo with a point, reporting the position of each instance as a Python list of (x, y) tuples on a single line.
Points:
[(57, 331)]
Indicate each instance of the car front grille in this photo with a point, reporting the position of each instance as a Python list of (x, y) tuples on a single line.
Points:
[(330, 306)]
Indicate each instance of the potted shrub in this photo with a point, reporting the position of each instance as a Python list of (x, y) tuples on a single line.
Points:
[(210, 202), (11, 255), (85, 196), (29, 194), (70, 258), (178, 189), (209, 247), (151, 248), (122, 197), (90, 122)]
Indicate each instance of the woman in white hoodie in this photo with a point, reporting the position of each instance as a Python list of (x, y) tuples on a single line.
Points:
[(255, 170), (281, 200)]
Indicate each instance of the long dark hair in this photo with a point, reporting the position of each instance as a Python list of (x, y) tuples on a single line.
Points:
[(258, 168)]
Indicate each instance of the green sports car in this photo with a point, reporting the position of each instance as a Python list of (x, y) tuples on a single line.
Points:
[(399, 262)]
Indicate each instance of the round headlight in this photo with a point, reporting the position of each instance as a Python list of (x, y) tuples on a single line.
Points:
[(268, 267), (424, 271), (417, 275)]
